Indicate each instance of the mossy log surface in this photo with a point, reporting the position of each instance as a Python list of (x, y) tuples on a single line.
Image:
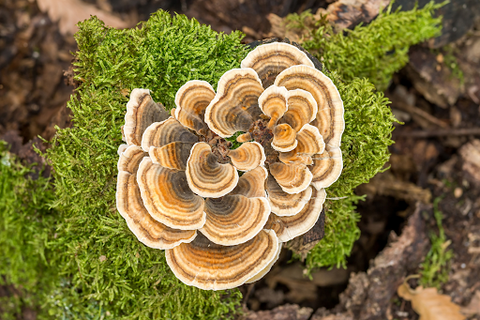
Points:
[(94, 266)]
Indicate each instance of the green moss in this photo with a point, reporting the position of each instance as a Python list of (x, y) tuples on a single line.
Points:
[(365, 141), (101, 257), (26, 225), (436, 267), (374, 51)]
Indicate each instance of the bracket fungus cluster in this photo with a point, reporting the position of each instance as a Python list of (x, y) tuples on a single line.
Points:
[(179, 187)]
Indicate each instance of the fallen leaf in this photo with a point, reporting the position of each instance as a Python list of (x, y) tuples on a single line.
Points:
[(429, 304), (69, 12), (474, 305)]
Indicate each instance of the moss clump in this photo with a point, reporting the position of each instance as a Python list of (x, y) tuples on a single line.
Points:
[(26, 226), (101, 257), (374, 51), (436, 267), (365, 141)]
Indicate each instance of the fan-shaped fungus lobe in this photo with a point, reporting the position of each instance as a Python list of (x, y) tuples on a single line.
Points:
[(178, 186)]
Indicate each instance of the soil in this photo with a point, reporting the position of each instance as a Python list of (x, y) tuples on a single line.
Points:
[(435, 155)]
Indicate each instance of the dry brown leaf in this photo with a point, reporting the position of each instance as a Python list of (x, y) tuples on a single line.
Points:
[(69, 12), (429, 304), (474, 305)]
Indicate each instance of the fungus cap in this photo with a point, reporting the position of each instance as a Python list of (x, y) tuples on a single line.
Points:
[(162, 133), (191, 100), (329, 119), (326, 168), (235, 105), (248, 156), (284, 138), (206, 265), (172, 156), (141, 112), (205, 176), (234, 219), (285, 204), (244, 137), (293, 178), (310, 142), (168, 198), (265, 270), (121, 148), (273, 103), (252, 183), (270, 59), (130, 205), (302, 109), (290, 227)]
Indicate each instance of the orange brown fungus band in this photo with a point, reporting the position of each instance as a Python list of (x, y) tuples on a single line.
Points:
[(326, 168), (273, 103), (302, 109), (248, 156), (291, 227), (168, 198), (284, 204), (206, 177), (209, 266), (271, 59), (130, 205), (178, 185), (329, 118), (252, 183), (235, 106), (234, 219), (191, 100), (310, 142), (162, 133), (172, 156), (141, 112), (284, 138), (292, 178)]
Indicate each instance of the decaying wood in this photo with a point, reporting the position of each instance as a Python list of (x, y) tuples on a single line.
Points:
[(417, 112), (385, 184), (27, 153), (369, 294), (473, 308), (432, 78), (286, 312), (300, 287), (439, 133), (70, 12)]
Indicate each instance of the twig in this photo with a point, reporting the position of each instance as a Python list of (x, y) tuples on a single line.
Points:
[(420, 113), (439, 133), (247, 295)]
